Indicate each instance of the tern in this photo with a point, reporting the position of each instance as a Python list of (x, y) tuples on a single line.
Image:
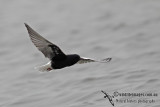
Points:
[(58, 59)]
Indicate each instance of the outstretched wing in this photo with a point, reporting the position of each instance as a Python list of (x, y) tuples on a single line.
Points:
[(49, 49), (87, 60)]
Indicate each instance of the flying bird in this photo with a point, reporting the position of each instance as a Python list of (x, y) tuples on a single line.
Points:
[(58, 59)]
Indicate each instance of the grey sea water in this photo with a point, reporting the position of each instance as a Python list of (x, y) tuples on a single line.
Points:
[(126, 30)]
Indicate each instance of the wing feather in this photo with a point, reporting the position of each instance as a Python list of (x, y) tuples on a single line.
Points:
[(87, 60), (43, 44)]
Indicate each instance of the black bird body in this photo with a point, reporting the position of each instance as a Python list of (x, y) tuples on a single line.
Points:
[(57, 58), (69, 60)]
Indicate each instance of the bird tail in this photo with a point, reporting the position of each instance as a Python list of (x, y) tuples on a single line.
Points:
[(44, 68)]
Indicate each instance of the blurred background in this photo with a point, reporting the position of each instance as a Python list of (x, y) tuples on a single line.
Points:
[(126, 30)]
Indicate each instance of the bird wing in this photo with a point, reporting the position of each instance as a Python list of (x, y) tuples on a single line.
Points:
[(103, 92), (49, 49), (87, 60)]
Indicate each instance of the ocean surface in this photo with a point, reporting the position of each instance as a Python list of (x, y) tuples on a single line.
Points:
[(126, 30)]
